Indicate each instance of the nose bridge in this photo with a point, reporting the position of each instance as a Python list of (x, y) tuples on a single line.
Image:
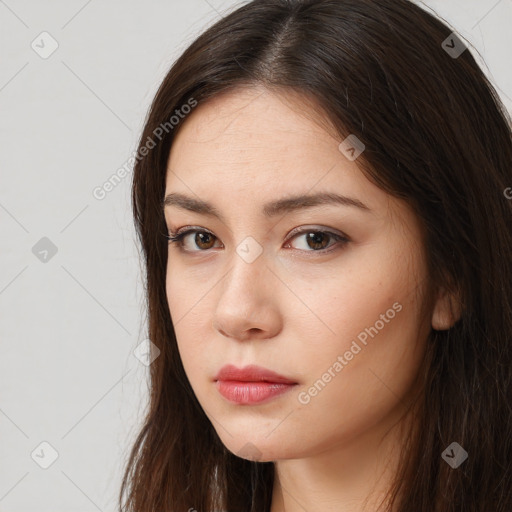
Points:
[(248, 269)]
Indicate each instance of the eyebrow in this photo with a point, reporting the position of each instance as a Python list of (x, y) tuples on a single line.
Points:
[(272, 209)]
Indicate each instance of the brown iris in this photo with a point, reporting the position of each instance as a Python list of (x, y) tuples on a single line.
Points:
[(315, 239), (201, 238)]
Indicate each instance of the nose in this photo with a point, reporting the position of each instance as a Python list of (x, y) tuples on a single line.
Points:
[(248, 306)]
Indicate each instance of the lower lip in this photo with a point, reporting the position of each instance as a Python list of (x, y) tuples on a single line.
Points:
[(246, 393)]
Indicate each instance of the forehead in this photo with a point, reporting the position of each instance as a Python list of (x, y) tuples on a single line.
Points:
[(256, 145), (253, 119), (253, 131)]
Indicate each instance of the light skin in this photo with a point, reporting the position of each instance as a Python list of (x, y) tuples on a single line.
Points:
[(298, 305)]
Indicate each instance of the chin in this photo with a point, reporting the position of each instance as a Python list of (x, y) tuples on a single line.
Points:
[(259, 451)]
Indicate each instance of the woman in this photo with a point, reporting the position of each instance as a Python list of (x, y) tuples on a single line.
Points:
[(320, 195)]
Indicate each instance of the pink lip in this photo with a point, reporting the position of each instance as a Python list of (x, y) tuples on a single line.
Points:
[(251, 373), (251, 384)]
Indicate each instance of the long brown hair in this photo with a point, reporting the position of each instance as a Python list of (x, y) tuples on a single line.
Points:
[(436, 135)]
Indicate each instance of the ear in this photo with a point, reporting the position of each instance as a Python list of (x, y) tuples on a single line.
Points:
[(447, 310)]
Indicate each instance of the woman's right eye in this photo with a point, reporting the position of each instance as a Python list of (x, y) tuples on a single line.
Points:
[(203, 240)]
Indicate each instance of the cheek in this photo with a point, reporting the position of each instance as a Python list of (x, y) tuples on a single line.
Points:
[(184, 295), (191, 315), (373, 321), (349, 302), (354, 379), (190, 284)]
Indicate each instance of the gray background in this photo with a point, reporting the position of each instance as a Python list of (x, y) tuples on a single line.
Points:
[(70, 320)]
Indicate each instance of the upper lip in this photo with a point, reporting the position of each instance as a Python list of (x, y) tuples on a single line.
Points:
[(251, 373)]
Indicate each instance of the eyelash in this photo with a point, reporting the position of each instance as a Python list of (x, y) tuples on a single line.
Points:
[(177, 239)]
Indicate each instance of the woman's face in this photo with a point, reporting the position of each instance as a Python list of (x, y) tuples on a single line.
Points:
[(345, 319)]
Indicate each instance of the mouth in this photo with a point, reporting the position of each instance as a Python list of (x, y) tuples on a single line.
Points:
[(251, 384)]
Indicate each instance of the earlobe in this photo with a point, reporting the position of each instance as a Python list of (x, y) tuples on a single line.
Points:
[(447, 310)]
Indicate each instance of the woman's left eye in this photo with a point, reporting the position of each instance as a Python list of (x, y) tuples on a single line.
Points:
[(314, 240), (319, 240)]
